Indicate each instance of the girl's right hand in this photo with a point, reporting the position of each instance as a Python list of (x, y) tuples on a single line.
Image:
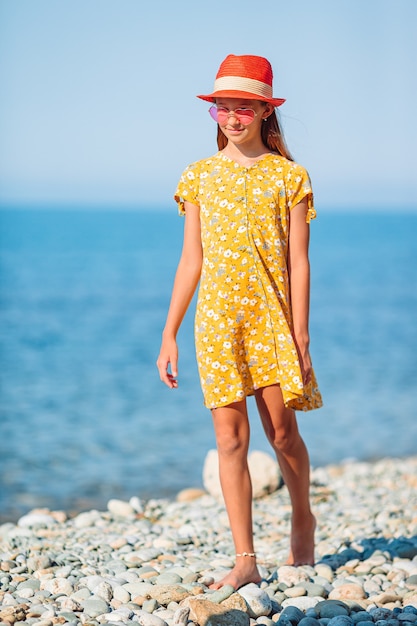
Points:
[(167, 363)]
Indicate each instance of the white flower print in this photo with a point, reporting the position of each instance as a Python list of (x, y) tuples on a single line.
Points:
[(242, 308)]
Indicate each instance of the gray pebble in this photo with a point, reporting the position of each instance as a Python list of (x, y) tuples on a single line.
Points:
[(95, 606), (168, 578), (314, 589), (81, 594), (221, 594), (150, 605), (68, 616)]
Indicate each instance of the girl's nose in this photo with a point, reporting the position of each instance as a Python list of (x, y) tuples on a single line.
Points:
[(234, 120)]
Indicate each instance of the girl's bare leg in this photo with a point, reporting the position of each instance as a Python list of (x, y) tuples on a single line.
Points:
[(231, 427), (281, 428)]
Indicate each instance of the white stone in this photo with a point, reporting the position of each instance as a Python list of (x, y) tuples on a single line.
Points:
[(180, 617), (149, 619), (120, 594), (325, 571), (302, 602), (68, 604), (36, 519), (120, 508), (139, 589), (57, 585), (165, 543), (86, 519), (104, 590), (26, 592), (9, 600), (136, 504), (91, 582), (291, 575), (263, 469), (119, 615), (258, 600), (296, 592)]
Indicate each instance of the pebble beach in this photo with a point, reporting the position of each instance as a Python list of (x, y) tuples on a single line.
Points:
[(152, 562)]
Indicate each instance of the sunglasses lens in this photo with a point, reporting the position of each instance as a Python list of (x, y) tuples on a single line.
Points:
[(213, 113), (221, 116), (245, 116)]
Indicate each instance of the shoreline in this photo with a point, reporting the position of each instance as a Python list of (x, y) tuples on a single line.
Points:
[(140, 561), (83, 504)]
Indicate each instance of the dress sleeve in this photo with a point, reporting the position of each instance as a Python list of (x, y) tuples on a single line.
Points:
[(188, 187), (299, 187)]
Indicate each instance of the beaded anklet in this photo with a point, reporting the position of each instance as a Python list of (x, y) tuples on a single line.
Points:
[(252, 554)]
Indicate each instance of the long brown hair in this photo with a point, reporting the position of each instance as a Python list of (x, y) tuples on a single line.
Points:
[(271, 133)]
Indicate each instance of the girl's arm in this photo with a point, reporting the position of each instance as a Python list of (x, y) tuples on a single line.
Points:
[(299, 273), (186, 280)]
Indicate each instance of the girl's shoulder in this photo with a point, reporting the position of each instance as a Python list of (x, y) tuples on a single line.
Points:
[(287, 165), (202, 164)]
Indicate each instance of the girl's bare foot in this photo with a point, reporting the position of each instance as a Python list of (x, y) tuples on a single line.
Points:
[(242, 574), (302, 541)]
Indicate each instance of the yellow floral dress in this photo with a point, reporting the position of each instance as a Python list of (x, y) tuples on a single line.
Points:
[(243, 324)]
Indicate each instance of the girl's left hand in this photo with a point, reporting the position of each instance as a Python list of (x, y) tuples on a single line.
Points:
[(305, 363)]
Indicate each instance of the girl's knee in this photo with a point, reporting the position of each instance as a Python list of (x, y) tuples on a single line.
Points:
[(232, 429), (231, 444), (283, 442), (285, 438)]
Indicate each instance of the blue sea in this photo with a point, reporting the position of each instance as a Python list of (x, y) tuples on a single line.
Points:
[(83, 299)]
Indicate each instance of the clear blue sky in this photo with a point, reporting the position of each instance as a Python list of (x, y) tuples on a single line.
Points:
[(98, 98)]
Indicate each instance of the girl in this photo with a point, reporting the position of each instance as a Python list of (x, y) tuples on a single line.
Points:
[(247, 212)]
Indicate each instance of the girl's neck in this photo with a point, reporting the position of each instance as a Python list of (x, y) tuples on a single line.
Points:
[(245, 155)]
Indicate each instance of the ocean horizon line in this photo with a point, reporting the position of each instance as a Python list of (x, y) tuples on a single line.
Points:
[(327, 208)]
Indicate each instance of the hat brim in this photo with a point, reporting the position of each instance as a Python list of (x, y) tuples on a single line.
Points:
[(246, 95)]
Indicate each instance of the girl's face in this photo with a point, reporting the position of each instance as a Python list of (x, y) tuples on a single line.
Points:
[(241, 120)]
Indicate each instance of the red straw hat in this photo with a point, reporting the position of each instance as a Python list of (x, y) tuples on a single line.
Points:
[(246, 76)]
